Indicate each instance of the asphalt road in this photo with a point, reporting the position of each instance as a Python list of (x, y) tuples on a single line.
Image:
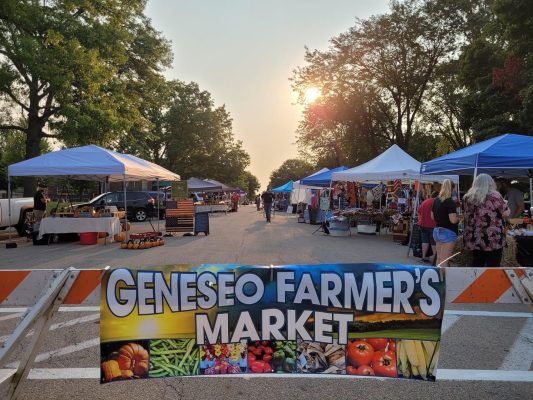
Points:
[(471, 342)]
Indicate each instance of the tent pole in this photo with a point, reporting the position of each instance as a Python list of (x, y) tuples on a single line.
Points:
[(9, 244), (475, 167), (157, 205), (415, 210), (530, 193), (125, 208)]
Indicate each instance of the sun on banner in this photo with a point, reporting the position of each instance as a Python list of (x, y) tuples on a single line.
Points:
[(355, 319)]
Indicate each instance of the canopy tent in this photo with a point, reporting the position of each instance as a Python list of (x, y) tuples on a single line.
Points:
[(505, 155), (322, 179), (284, 188), (199, 185), (392, 164), (224, 188), (91, 163), (302, 193)]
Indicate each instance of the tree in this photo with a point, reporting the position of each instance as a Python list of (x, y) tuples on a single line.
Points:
[(374, 79), (12, 151), (292, 169), (75, 70), (496, 70), (198, 137), (248, 182)]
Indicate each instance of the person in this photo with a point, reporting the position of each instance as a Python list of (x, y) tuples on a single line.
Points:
[(268, 198), (258, 202), (235, 197), (484, 214), (39, 202), (444, 213), (514, 197), (427, 224)]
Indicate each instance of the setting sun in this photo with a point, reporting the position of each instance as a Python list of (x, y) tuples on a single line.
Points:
[(311, 94)]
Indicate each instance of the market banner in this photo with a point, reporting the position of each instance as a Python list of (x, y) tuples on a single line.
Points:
[(356, 319)]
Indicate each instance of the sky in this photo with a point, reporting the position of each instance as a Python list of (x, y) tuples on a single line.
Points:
[(244, 52)]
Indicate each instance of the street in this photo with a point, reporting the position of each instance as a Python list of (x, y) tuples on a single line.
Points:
[(495, 339)]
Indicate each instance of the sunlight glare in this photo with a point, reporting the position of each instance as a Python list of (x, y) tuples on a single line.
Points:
[(311, 94)]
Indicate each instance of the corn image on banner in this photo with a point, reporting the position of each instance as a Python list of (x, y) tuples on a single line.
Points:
[(354, 319)]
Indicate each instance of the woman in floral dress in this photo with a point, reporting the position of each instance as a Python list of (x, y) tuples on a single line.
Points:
[(484, 227)]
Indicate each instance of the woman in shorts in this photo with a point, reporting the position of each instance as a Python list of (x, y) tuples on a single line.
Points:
[(444, 213)]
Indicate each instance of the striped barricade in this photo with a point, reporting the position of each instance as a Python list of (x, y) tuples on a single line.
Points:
[(463, 285)]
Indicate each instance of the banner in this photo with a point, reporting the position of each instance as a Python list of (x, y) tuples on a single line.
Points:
[(355, 319)]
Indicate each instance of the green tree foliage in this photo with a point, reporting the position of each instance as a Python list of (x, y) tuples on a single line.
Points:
[(374, 79), (187, 133), (248, 182), (12, 151), (75, 69), (292, 169), (432, 76)]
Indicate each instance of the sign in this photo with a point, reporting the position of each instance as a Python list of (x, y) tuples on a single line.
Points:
[(355, 319)]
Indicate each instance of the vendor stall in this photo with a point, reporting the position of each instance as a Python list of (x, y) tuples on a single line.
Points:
[(508, 155), (89, 163), (396, 166)]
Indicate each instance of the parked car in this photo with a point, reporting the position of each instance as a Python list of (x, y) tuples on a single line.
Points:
[(140, 205), (19, 208)]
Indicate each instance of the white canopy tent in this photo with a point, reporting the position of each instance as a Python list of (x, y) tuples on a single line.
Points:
[(392, 164), (91, 163), (302, 193)]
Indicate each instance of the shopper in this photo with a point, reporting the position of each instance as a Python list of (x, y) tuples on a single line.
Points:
[(258, 202), (427, 224), (514, 197), (444, 213), (268, 198), (484, 211), (39, 202)]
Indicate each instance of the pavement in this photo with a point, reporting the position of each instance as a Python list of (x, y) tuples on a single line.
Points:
[(491, 343)]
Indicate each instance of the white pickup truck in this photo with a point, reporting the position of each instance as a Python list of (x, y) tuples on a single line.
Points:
[(19, 208)]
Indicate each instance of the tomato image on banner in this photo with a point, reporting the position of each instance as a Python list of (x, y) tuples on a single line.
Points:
[(349, 319)]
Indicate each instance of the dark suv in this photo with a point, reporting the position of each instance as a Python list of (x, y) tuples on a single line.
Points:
[(140, 204)]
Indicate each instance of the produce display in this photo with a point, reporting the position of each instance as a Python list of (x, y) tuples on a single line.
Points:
[(371, 357), (173, 357), (124, 361), (271, 356), (314, 357), (417, 358), (223, 358)]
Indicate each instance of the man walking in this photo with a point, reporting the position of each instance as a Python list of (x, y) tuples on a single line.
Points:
[(268, 198)]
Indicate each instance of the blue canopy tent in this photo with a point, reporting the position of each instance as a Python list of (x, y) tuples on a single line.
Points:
[(505, 155), (284, 188), (322, 179)]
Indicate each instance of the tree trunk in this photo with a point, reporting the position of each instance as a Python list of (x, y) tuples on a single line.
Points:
[(33, 149)]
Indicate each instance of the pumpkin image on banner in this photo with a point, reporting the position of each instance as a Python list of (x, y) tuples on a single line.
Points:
[(124, 360)]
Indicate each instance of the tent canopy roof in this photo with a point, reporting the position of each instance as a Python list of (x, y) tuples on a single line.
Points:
[(91, 163), (199, 185), (393, 163), (284, 188), (506, 155), (321, 178), (225, 188)]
